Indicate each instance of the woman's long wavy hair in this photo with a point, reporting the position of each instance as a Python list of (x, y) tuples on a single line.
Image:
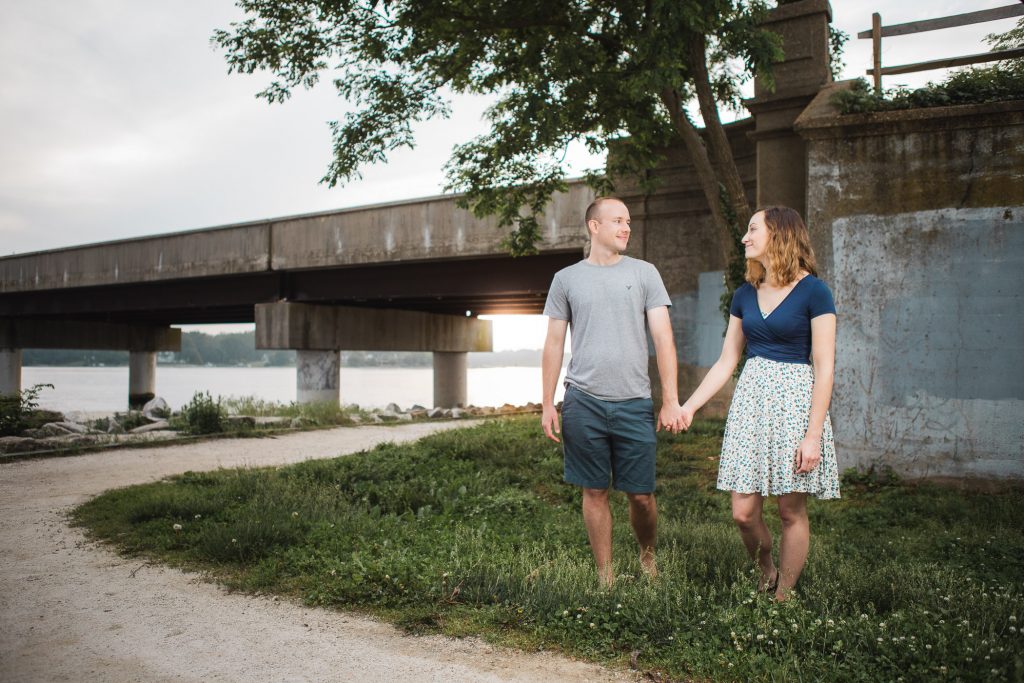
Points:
[(789, 248)]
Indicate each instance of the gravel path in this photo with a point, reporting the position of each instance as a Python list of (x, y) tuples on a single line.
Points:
[(72, 610)]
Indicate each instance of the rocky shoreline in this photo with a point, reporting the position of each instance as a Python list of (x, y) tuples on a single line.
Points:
[(76, 431)]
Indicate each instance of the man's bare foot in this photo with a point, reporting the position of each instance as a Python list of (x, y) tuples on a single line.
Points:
[(649, 564)]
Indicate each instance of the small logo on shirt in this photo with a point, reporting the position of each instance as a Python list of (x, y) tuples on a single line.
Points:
[(629, 286)]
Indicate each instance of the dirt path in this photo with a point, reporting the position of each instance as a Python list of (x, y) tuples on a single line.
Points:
[(71, 610)]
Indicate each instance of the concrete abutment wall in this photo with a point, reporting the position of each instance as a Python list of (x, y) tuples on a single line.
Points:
[(918, 221)]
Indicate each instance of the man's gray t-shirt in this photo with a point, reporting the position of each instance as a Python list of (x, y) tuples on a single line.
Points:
[(606, 308)]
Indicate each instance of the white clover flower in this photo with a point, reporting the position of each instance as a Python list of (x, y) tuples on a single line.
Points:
[(878, 639), (295, 514), (671, 637), (1013, 618), (618, 606), (199, 516), (760, 636), (177, 527), (565, 613), (881, 625), (927, 646), (863, 616), (775, 631), (234, 540), (1013, 629), (593, 625)]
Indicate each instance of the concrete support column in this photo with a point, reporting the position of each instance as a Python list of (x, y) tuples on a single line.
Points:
[(450, 379), (141, 378), (10, 371), (781, 153), (317, 376)]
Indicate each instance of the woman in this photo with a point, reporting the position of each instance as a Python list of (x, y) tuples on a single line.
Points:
[(778, 437)]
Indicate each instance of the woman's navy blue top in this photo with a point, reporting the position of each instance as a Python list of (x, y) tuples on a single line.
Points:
[(785, 335)]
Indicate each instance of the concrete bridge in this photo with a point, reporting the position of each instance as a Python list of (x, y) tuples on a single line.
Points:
[(404, 276)]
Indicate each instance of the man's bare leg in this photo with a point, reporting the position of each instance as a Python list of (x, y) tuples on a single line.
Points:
[(597, 517), (643, 516)]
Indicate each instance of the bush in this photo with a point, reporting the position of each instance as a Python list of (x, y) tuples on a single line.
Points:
[(16, 409), (971, 86), (999, 83), (203, 414)]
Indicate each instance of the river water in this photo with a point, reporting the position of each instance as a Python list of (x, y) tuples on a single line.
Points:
[(106, 389)]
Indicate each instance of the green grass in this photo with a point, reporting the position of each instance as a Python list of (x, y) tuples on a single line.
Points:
[(472, 532)]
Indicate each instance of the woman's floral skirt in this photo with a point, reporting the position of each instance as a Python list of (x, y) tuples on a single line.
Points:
[(767, 421)]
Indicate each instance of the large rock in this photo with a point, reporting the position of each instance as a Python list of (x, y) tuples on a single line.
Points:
[(55, 429), (72, 427), (16, 444), (156, 409), (240, 422), (162, 424), (272, 421), (393, 408)]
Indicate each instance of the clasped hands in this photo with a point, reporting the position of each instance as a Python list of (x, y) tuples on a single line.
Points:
[(674, 417)]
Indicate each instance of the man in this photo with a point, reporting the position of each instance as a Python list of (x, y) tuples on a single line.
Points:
[(607, 415)]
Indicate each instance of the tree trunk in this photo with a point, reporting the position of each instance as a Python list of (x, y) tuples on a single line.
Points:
[(706, 175), (717, 140)]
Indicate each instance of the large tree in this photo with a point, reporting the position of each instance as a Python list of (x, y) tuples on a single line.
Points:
[(610, 73)]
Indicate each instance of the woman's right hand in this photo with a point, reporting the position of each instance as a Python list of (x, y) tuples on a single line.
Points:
[(686, 417)]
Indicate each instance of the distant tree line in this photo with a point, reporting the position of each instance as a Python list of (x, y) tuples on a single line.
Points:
[(239, 349)]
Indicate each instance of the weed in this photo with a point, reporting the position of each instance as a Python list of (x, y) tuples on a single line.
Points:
[(16, 409), (203, 414)]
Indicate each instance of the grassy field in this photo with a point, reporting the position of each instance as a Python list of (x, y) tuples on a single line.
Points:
[(472, 532)]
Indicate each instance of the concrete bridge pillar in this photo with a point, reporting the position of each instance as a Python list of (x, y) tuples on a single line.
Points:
[(316, 376), (316, 331), (10, 371), (141, 378), (450, 379)]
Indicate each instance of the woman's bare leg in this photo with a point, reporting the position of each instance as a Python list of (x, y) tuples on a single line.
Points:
[(747, 513), (796, 538)]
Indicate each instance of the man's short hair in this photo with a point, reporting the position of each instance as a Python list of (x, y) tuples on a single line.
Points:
[(591, 212)]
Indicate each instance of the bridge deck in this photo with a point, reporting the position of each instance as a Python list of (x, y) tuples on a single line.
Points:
[(426, 255)]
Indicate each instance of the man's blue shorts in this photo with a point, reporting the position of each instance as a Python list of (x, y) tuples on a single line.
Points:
[(608, 440)]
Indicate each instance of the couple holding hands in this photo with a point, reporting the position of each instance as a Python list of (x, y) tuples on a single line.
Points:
[(778, 437)]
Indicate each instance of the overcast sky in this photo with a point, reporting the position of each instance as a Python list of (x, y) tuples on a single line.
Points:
[(118, 119)]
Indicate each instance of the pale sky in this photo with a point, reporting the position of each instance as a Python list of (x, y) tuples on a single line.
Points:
[(118, 119)]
